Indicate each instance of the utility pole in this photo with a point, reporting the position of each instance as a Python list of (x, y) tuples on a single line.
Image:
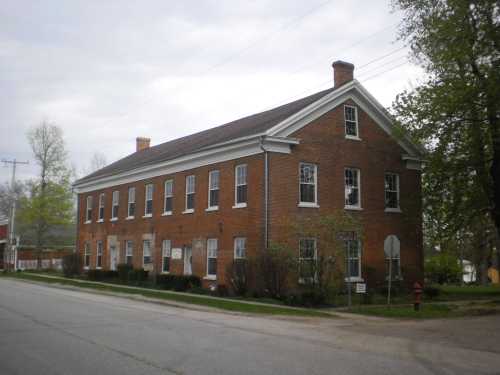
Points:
[(12, 219)]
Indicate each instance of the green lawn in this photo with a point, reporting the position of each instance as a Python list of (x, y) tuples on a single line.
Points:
[(199, 300), (468, 292)]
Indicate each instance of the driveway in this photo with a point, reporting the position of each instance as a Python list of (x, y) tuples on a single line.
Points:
[(45, 330)]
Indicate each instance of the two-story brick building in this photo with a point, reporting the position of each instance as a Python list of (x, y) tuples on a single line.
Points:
[(192, 205)]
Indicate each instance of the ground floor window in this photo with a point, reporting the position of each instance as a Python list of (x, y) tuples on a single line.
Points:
[(307, 259), (166, 251), (353, 259), (99, 254), (129, 252), (212, 248), (87, 252), (146, 252), (240, 244)]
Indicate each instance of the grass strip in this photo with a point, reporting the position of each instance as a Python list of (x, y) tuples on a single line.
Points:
[(224, 304)]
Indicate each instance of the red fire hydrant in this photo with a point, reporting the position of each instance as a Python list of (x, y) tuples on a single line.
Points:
[(417, 292)]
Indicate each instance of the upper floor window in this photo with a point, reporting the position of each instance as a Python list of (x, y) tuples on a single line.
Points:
[(240, 245), (353, 270), (307, 259), (308, 184), (352, 188), (169, 197), (351, 121), (241, 185), (131, 202), (212, 248), (146, 252), (98, 263), (87, 253), (190, 191), (129, 252), (101, 206), (166, 254), (213, 189), (88, 215), (391, 191), (148, 200), (114, 207)]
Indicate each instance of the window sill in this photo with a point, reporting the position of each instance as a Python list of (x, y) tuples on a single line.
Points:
[(87, 222), (210, 277), (100, 221), (393, 210), (394, 278), (308, 205), (86, 268), (167, 213), (240, 205), (165, 272), (113, 219), (130, 218), (98, 268), (147, 216), (353, 138), (213, 208), (354, 208), (188, 211), (354, 280)]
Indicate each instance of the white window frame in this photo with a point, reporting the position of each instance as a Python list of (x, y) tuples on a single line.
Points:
[(212, 207), (87, 253), (129, 252), (190, 191), (88, 209), (237, 247), (212, 253), (166, 253), (397, 191), (131, 192), (358, 258), (168, 195), (309, 204), (148, 196), (237, 184), (303, 280), (100, 210), (115, 203), (150, 255), (350, 136), (99, 254), (358, 205)]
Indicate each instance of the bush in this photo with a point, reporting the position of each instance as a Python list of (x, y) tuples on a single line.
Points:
[(137, 276), (431, 292), (238, 274), (443, 269), (309, 298), (179, 283), (101, 275), (71, 265), (123, 271)]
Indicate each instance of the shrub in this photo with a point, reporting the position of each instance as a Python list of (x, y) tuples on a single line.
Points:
[(123, 271), (443, 269), (308, 298), (179, 283), (431, 292), (238, 274), (101, 275), (137, 276), (71, 265)]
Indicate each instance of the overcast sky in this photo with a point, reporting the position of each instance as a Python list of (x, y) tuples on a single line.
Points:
[(108, 71)]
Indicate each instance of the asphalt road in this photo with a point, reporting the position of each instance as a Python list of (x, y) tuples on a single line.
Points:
[(45, 330)]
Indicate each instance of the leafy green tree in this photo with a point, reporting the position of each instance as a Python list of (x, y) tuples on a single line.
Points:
[(443, 269)]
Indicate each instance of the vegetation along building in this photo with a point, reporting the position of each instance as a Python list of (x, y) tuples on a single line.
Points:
[(194, 204)]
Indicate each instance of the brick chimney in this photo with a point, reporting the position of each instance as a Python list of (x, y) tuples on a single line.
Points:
[(142, 143), (343, 72)]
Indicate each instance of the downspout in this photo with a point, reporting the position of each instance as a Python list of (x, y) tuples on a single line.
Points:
[(266, 192)]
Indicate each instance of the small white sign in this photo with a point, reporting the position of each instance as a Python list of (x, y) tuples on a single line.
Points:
[(148, 267), (176, 253), (360, 287)]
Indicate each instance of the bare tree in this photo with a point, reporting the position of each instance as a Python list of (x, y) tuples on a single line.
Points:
[(97, 162)]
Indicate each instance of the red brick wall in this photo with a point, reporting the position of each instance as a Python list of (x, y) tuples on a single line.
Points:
[(3, 232)]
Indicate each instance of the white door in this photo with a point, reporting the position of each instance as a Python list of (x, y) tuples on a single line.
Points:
[(188, 260), (113, 253)]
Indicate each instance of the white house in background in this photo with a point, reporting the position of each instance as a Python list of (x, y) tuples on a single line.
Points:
[(468, 272)]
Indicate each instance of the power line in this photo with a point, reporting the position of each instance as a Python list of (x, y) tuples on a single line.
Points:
[(385, 71), (380, 58)]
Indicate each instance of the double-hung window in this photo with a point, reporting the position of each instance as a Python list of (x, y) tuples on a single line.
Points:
[(114, 206), (212, 248), (391, 191), (166, 249), (308, 184), (87, 252), (353, 248), (129, 252), (146, 252), (148, 201), (213, 190), (240, 245), (241, 188), (307, 259), (190, 193), (88, 215), (352, 188), (100, 249), (168, 206), (351, 121), (101, 207), (131, 202)]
